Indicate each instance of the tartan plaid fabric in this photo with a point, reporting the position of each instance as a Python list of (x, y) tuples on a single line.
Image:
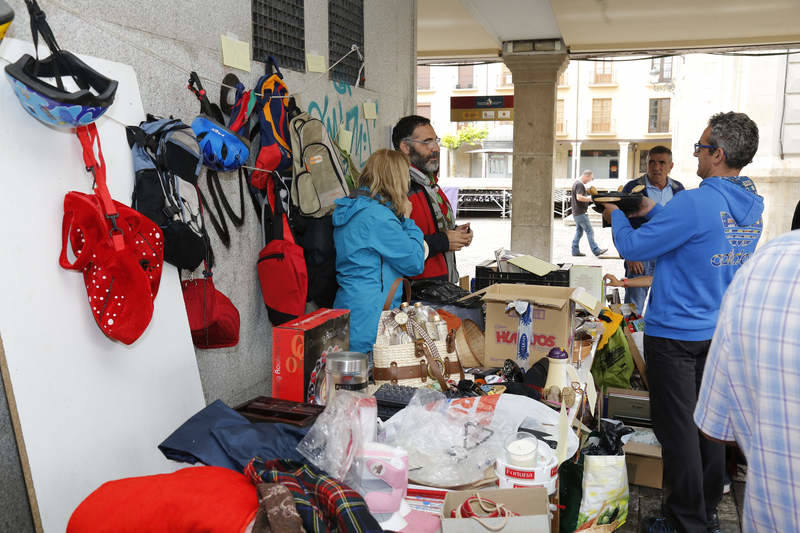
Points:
[(324, 504)]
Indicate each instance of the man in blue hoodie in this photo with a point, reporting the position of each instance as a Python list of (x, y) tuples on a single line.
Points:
[(699, 240)]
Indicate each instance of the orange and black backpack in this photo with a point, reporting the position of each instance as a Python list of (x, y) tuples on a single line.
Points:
[(272, 110)]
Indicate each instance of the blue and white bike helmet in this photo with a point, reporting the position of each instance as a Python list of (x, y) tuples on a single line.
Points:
[(56, 105), (222, 149)]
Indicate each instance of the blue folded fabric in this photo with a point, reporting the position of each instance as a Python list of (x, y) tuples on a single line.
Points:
[(193, 441), (267, 440)]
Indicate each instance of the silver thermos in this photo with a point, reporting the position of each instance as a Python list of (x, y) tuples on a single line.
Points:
[(345, 371)]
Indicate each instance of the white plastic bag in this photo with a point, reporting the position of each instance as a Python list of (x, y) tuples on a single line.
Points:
[(604, 506), (449, 442)]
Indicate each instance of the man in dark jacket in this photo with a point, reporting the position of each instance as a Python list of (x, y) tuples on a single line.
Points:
[(414, 136), (661, 188)]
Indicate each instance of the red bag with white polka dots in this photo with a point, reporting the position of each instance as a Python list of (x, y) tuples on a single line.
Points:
[(119, 251)]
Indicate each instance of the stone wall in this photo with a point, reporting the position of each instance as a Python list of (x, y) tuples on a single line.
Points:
[(164, 41)]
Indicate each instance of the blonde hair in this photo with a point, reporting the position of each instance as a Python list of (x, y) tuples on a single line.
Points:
[(386, 174)]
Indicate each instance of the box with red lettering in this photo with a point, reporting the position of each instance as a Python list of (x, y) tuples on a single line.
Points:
[(298, 347), (552, 316)]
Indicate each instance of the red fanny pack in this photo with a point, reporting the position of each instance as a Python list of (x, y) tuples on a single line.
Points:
[(281, 266), (119, 251)]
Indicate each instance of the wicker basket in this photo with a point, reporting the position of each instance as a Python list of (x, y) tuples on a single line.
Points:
[(475, 340), (581, 349), (465, 355), (407, 355), (430, 361)]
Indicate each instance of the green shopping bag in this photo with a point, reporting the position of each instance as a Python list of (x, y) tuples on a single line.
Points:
[(613, 363)]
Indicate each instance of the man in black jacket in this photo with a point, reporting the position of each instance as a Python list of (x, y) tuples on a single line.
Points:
[(661, 188)]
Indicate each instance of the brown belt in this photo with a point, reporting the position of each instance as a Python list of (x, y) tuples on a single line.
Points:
[(394, 373)]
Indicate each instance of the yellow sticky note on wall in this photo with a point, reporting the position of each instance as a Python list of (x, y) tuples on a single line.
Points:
[(315, 63), (235, 53), (370, 110), (344, 139)]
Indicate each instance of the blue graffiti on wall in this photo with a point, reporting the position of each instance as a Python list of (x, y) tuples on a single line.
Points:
[(334, 115)]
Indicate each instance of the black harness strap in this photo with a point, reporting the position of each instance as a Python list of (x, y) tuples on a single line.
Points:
[(222, 206)]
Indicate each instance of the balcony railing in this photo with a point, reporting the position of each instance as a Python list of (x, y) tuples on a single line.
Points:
[(604, 78), (562, 127), (601, 127)]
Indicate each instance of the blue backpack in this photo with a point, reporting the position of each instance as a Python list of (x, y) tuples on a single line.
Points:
[(166, 164)]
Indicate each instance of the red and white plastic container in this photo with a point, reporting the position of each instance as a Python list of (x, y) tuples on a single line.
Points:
[(516, 469)]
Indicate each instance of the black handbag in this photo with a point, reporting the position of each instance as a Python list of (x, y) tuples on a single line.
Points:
[(441, 292)]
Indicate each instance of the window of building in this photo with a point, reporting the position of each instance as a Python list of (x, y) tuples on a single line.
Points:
[(603, 163), (601, 115), (603, 72), (659, 115), (498, 165), (423, 78), (279, 31), (345, 29), (563, 80), (661, 69), (424, 110), (505, 77), (561, 127), (465, 77)]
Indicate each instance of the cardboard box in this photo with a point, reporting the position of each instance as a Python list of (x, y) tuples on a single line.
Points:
[(630, 406), (644, 464), (553, 315), (298, 345), (530, 503)]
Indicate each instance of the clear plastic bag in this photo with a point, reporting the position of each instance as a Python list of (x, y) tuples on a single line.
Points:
[(447, 445), (339, 433)]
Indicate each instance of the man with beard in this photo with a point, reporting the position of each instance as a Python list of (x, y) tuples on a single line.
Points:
[(414, 136)]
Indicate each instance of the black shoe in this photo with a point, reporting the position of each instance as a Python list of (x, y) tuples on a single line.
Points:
[(578, 255), (601, 251), (657, 524), (712, 524)]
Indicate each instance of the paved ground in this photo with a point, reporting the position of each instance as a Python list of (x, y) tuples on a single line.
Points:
[(491, 233)]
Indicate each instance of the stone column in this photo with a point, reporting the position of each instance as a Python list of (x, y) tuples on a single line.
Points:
[(535, 77), (622, 170), (576, 159)]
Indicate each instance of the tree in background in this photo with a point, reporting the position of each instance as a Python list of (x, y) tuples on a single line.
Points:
[(469, 135)]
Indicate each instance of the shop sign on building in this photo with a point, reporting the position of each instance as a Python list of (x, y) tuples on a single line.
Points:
[(474, 108)]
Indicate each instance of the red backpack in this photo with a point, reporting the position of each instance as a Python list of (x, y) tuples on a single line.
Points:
[(281, 265)]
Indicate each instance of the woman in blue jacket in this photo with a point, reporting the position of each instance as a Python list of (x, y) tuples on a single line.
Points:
[(376, 243)]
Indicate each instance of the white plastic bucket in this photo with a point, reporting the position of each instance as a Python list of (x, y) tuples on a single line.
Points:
[(544, 474)]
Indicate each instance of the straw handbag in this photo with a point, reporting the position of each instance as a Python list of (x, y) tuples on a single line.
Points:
[(414, 363), (467, 356)]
